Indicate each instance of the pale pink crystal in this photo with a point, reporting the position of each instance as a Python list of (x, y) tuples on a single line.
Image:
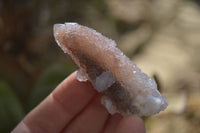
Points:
[(126, 89)]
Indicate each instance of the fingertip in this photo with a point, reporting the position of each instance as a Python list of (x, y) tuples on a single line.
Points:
[(131, 124)]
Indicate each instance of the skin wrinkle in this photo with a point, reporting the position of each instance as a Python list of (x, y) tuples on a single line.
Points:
[(82, 123), (62, 106), (21, 128), (67, 113), (36, 128), (86, 85), (42, 127), (112, 123), (75, 117), (105, 123)]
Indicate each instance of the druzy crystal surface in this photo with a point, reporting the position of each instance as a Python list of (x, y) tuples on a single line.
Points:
[(126, 89)]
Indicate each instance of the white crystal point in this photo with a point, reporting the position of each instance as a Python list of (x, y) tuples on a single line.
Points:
[(57, 28), (104, 81), (127, 90), (81, 75), (109, 105), (152, 103), (71, 23)]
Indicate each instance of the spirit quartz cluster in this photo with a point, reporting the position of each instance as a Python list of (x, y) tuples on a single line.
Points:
[(126, 89)]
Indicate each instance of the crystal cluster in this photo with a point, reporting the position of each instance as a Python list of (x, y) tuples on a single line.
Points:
[(126, 89)]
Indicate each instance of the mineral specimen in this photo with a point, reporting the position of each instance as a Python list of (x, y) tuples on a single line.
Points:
[(126, 89)]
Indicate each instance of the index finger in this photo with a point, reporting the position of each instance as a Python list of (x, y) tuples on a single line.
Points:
[(61, 106)]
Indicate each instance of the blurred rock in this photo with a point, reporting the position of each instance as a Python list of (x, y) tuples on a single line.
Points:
[(131, 41), (129, 11), (163, 11)]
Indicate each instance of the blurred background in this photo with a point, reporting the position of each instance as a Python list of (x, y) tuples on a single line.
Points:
[(161, 36)]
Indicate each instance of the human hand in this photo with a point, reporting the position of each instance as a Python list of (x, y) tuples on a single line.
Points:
[(75, 107)]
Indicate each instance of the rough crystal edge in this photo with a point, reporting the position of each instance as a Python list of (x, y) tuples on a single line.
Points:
[(136, 71)]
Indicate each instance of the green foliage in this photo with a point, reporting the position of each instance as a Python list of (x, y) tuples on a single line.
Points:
[(11, 111), (50, 78)]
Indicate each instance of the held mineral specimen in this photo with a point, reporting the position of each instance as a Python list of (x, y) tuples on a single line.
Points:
[(126, 89)]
